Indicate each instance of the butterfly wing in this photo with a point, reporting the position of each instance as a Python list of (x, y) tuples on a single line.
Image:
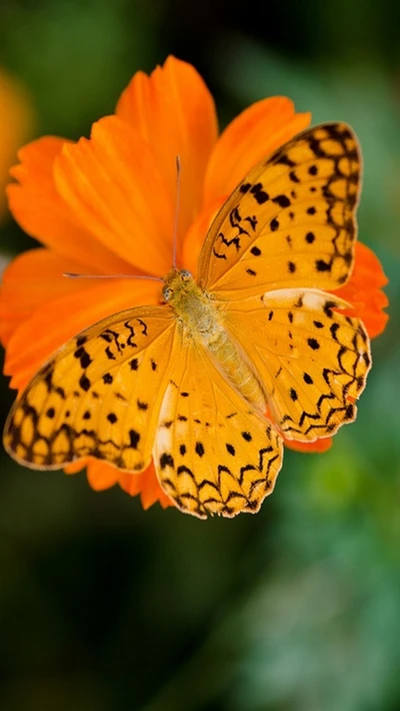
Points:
[(213, 453), (312, 359), (286, 233), (99, 395), (290, 223)]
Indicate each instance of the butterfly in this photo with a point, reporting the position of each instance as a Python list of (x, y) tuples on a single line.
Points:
[(209, 382)]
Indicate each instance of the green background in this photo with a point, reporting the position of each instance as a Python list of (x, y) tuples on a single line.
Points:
[(105, 607)]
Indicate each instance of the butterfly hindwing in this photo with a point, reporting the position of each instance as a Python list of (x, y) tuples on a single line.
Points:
[(213, 452), (98, 396), (311, 357), (290, 223)]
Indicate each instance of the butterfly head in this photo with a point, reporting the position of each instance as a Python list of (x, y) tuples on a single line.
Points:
[(181, 291), (176, 284)]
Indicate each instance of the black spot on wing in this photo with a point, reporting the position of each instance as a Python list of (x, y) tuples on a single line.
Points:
[(322, 266), (199, 449), (166, 460), (282, 200), (134, 438), (313, 343), (84, 382), (259, 194), (142, 405)]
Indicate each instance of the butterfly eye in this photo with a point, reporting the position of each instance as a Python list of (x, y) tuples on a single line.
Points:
[(185, 275), (167, 293)]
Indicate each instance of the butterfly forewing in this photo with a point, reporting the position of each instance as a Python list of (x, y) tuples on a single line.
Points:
[(213, 453), (291, 221), (98, 396)]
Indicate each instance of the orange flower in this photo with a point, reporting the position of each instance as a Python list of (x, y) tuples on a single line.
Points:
[(15, 124), (106, 205)]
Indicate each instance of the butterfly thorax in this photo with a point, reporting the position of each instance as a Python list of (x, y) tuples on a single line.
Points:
[(202, 319), (192, 306)]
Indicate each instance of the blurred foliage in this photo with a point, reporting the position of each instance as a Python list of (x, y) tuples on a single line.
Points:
[(104, 606)]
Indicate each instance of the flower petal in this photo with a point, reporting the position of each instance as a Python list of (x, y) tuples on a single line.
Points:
[(113, 187), (102, 475), (252, 136), (77, 466), (146, 484), (320, 445), (33, 278), (174, 113), (39, 209), (52, 324), (364, 292)]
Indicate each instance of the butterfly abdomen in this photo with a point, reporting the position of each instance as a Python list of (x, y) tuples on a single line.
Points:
[(236, 368)]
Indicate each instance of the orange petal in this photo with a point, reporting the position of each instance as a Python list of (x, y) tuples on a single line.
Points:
[(364, 292), (174, 113), (114, 188), (100, 474), (31, 279), (252, 136), (53, 323), (320, 445), (39, 209), (146, 484), (77, 466)]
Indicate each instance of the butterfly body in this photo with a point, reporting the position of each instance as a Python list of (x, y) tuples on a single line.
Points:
[(201, 318), (191, 384)]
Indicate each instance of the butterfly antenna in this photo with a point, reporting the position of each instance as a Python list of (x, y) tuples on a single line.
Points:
[(177, 205), (72, 275)]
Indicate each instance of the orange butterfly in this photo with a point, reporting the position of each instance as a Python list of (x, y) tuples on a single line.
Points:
[(190, 382)]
